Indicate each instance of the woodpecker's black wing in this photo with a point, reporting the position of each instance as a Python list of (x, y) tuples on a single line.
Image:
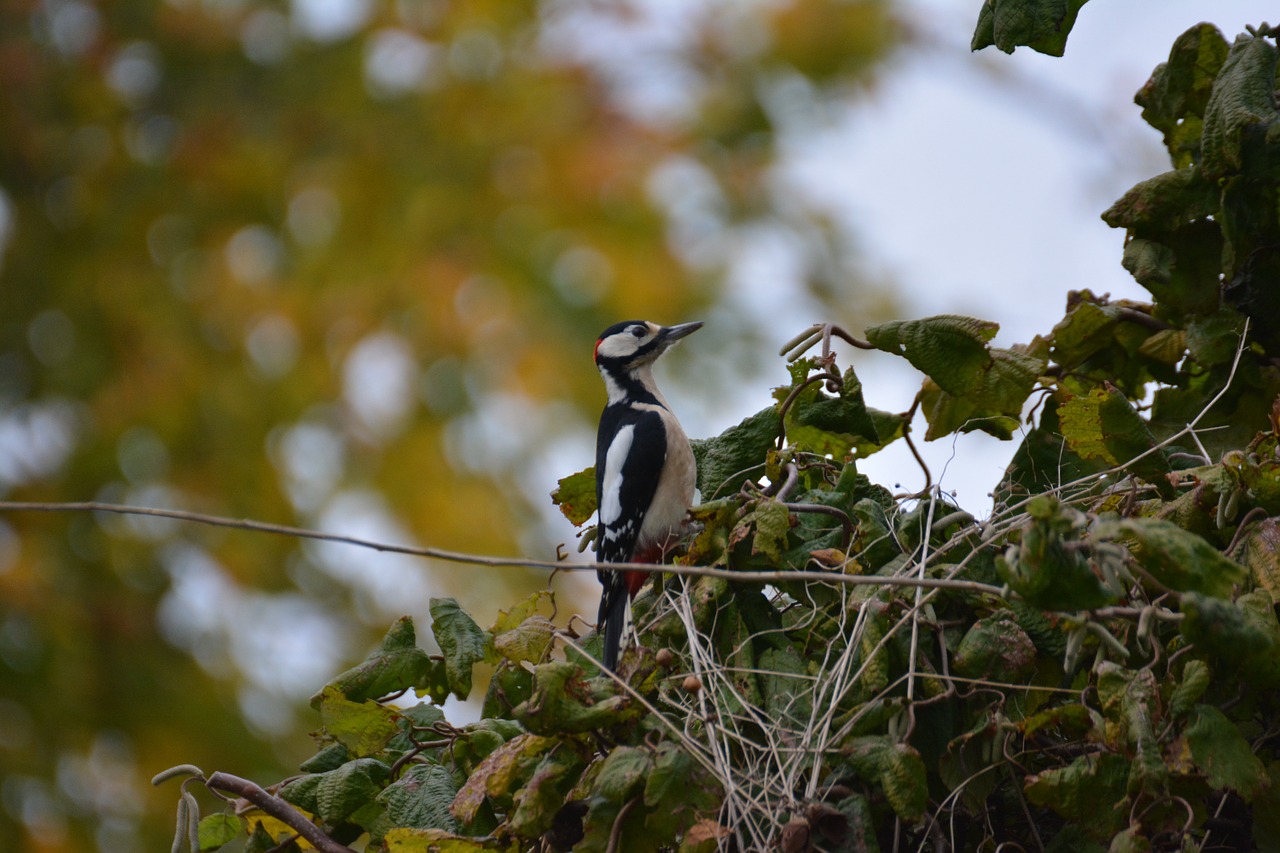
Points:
[(630, 448)]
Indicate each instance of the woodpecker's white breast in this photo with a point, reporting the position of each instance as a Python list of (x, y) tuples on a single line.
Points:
[(674, 495)]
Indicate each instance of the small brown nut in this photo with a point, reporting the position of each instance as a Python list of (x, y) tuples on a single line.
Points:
[(692, 684), (665, 658)]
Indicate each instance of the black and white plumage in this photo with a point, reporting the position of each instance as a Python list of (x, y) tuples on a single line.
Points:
[(645, 472)]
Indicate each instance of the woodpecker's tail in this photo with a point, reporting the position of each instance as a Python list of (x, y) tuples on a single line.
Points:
[(613, 613)]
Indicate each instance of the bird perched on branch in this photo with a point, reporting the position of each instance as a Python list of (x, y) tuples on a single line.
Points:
[(645, 470)]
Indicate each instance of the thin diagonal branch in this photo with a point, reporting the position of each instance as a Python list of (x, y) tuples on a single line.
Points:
[(494, 561)]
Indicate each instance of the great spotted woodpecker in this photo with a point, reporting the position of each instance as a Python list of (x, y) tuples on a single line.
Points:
[(645, 470)]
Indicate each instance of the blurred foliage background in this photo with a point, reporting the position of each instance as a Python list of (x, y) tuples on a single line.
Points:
[(339, 264)]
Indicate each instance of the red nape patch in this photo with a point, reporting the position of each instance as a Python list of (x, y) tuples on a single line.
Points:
[(595, 353)]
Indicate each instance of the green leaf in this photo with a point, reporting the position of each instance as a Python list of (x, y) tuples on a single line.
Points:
[(1042, 460), (1224, 629), (1223, 754), (787, 689), (1130, 699), (679, 782), (499, 774), (726, 460), (562, 702), (994, 406), (463, 642), (218, 829), (338, 794), (1178, 92), (420, 798), (364, 728), (1213, 339), (963, 768), (620, 780), (1164, 203), (1190, 687), (1087, 329), (1241, 103), (1177, 558), (1044, 570), (260, 841), (995, 648), (1182, 271), (508, 619), (844, 414), (896, 767), (528, 641), (409, 840), (576, 496), (623, 774), (1042, 25), (831, 426), (538, 802), (1090, 790), (1103, 425), (329, 758), (949, 349), (396, 664), (905, 782), (1262, 555), (772, 524)]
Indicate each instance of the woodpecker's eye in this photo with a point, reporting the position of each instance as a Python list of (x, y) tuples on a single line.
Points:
[(638, 331)]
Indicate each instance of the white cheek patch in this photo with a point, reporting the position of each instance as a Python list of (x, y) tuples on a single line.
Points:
[(611, 490), (618, 346)]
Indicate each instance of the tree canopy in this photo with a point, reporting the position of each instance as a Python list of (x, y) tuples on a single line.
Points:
[(308, 263)]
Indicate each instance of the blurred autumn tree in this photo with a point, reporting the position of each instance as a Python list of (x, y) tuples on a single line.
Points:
[(320, 263)]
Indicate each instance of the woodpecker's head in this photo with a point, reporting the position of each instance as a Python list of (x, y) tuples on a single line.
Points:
[(632, 344)]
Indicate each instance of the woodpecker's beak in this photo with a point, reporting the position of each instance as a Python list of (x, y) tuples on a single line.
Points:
[(671, 334)]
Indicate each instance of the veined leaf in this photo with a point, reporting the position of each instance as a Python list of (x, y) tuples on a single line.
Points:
[(218, 829), (396, 664), (528, 641), (1177, 558), (995, 648), (725, 460), (1164, 203), (364, 728), (949, 349), (536, 804), (772, 524), (463, 642), (337, 794), (498, 774), (576, 496), (1224, 629), (508, 619), (1042, 25), (408, 840), (1243, 96), (1103, 425), (1223, 754), (1090, 789), (993, 406), (562, 702), (420, 798)]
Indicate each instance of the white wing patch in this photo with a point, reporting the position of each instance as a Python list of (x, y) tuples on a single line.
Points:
[(611, 490)]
